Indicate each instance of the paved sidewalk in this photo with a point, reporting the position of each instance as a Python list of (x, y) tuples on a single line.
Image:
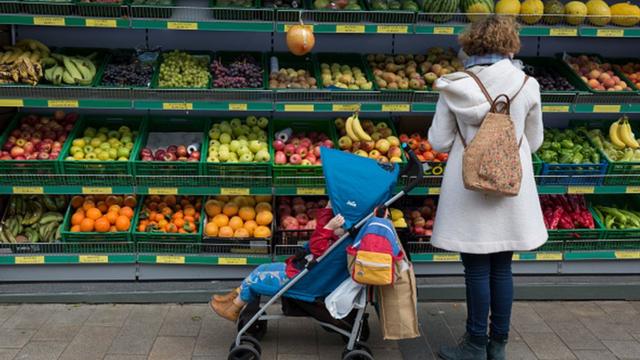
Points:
[(541, 330)]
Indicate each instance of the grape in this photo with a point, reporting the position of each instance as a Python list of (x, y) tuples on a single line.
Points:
[(243, 72), (180, 69), (126, 70)]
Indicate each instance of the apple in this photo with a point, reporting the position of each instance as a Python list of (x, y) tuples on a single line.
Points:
[(289, 149), (280, 158), (302, 151), (368, 145), (146, 152), (255, 146), (382, 125), (394, 151), (311, 157), (262, 156), (327, 143), (418, 230), (302, 219), (419, 221), (306, 142), (383, 159), (263, 122), (278, 145), (362, 153), (393, 141), (305, 162), (395, 160), (295, 159), (404, 138), (382, 145), (195, 155), (20, 142), (345, 143), (376, 136), (28, 147), (17, 151), (374, 154), (181, 151), (339, 122)]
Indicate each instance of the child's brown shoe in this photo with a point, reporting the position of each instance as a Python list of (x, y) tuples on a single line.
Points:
[(228, 310), (226, 297)]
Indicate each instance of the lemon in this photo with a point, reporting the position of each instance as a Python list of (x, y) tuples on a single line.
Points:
[(576, 11)]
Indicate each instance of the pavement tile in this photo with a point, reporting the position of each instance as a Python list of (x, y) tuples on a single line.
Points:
[(435, 327), (585, 309), (621, 312), (8, 354), (91, 342), (183, 320), (519, 350), (7, 311), (525, 319), (109, 315), (31, 316), (576, 336), (297, 357), (217, 334), (603, 329), (296, 337), (547, 346), (41, 350), (125, 357), (376, 341), (57, 332), (139, 331), (624, 349), (15, 338), (553, 312), (172, 348), (594, 355)]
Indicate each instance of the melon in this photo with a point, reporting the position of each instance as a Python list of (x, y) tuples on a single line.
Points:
[(508, 7), (474, 8), (445, 7), (531, 11), (625, 14), (553, 7), (599, 12), (576, 11)]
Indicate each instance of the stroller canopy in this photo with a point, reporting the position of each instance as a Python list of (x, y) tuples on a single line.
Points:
[(355, 186)]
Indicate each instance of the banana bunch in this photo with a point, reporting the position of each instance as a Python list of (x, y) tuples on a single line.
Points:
[(71, 70), (33, 219), (621, 135), (24, 62), (354, 129)]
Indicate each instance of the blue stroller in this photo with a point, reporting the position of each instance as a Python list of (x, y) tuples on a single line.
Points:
[(356, 187)]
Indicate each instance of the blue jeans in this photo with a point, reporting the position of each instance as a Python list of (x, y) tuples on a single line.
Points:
[(266, 279), (489, 286)]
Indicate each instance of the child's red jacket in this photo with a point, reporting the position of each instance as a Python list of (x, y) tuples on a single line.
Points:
[(320, 241)]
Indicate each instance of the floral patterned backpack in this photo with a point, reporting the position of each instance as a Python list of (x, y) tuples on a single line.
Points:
[(491, 162)]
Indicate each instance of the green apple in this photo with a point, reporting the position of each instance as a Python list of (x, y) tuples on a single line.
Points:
[(263, 122), (262, 137), (256, 129), (234, 145), (103, 130), (265, 146), (87, 140), (226, 129), (126, 139), (113, 134), (252, 120), (102, 137), (95, 142), (233, 157), (224, 147), (103, 156), (89, 132), (75, 149), (114, 142), (244, 150), (88, 149), (238, 132), (78, 156), (122, 158), (246, 158), (225, 138), (91, 156), (123, 152), (129, 145), (214, 143), (213, 160), (215, 126), (124, 129), (78, 142), (255, 146), (242, 137), (262, 156), (70, 158), (224, 155), (113, 154), (213, 153), (253, 136), (235, 123), (105, 146), (214, 134), (244, 142)]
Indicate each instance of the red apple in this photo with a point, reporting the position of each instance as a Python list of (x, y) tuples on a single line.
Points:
[(289, 149), (195, 155), (302, 151), (284, 209), (169, 157), (302, 219), (43, 156), (418, 230), (289, 223), (306, 143), (415, 214), (181, 151), (295, 159), (316, 151), (278, 145), (146, 152), (172, 149), (311, 158), (17, 151), (328, 143), (419, 222), (298, 200), (280, 158), (299, 209)]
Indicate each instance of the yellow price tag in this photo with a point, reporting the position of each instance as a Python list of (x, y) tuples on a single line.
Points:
[(349, 29), (29, 259), (232, 261), (62, 103), (161, 259), (396, 107), (237, 107), (392, 29), (610, 32), (174, 25), (104, 23), (563, 32), (446, 257), (633, 190), (310, 191), (627, 254), (97, 190), (606, 108), (580, 189), (433, 191), (549, 257), (345, 107), (515, 257), (163, 191), (234, 191), (443, 30), (49, 21), (555, 108), (177, 106), (28, 190), (11, 103), (93, 259), (288, 26), (299, 107)]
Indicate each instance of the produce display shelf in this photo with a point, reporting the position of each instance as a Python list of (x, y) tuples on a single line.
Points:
[(57, 259), (70, 21), (199, 259)]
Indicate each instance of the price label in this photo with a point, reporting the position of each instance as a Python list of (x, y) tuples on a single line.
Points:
[(169, 259), (446, 257), (173, 25), (234, 191), (29, 259), (163, 191), (580, 189), (610, 32), (392, 29), (345, 107), (396, 107), (515, 257), (349, 29), (28, 190), (633, 190), (97, 190), (237, 107), (104, 23), (11, 103), (177, 106), (549, 257), (606, 108), (62, 103), (563, 32), (443, 30), (627, 254), (93, 259), (288, 26), (310, 191), (232, 261), (49, 21), (299, 107), (433, 191), (555, 108)]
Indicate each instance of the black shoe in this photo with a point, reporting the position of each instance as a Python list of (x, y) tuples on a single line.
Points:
[(465, 350), (496, 350)]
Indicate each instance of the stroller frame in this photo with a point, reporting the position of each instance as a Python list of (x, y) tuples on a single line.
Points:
[(415, 170)]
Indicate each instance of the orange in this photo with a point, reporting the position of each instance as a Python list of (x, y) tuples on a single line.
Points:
[(247, 213), (251, 226), (241, 233), (263, 206), (102, 225), (264, 218), (86, 225), (112, 216), (162, 224), (142, 227), (94, 214), (230, 209), (262, 232), (88, 204), (102, 206), (77, 218), (113, 229), (221, 220), (127, 211), (211, 229), (130, 201), (115, 208), (166, 211), (189, 210), (225, 232), (236, 222), (179, 222), (170, 200), (213, 207), (171, 228), (77, 201), (123, 223), (75, 228), (241, 200)]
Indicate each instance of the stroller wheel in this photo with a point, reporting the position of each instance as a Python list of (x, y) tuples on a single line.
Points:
[(248, 341), (356, 355), (243, 352), (258, 330)]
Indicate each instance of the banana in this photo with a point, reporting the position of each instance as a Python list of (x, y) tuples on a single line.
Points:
[(50, 217), (84, 71), (613, 135), (67, 78), (15, 54), (49, 203), (5, 56), (71, 68), (349, 129), (48, 61), (357, 128), (57, 75), (626, 135)]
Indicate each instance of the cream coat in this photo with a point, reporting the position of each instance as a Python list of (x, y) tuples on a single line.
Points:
[(469, 221)]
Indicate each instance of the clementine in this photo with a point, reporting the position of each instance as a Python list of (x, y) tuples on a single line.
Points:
[(264, 218), (262, 232), (86, 225), (211, 229), (247, 213), (123, 223), (77, 218), (221, 220), (94, 213), (102, 225), (225, 232)]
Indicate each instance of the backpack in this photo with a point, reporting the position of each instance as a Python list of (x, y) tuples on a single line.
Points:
[(374, 253), (491, 162)]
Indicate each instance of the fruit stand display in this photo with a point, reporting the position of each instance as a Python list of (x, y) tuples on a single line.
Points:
[(167, 139)]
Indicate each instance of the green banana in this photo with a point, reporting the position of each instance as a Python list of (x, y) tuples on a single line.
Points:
[(57, 75), (49, 203), (71, 68), (58, 235), (68, 78), (60, 202), (35, 214), (50, 217)]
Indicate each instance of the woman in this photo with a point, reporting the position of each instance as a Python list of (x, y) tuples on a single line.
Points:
[(267, 279), (487, 229)]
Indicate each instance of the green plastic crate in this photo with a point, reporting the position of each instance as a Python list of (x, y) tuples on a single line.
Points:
[(629, 201), (101, 170), (9, 7), (226, 57), (147, 237), (108, 60), (537, 164), (96, 9), (300, 175), (602, 244), (287, 60), (370, 74), (48, 7), (239, 174), (159, 173), (352, 60), (148, 9), (155, 83), (168, 247), (619, 74), (238, 13)]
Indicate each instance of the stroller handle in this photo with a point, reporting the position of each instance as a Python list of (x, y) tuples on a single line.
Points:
[(414, 169)]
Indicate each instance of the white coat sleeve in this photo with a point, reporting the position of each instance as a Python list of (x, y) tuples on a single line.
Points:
[(443, 128), (533, 126)]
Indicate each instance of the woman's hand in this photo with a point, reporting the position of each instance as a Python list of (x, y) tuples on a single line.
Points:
[(335, 223)]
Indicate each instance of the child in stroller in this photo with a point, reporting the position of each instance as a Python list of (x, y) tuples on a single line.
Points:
[(269, 278)]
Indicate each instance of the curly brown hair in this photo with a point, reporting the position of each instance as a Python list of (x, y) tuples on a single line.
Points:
[(492, 35)]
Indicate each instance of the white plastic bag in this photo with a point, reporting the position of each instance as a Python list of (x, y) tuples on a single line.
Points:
[(342, 300)]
